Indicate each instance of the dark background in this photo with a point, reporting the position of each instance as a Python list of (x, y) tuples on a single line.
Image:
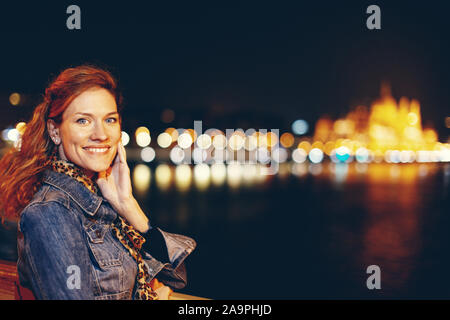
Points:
[(257, 64)]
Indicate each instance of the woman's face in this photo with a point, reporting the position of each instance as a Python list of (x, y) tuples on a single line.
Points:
[(90, 130)]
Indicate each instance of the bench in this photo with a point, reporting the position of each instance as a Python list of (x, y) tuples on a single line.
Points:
[(9, 283)]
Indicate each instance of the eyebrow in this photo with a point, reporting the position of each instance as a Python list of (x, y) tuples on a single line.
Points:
[(90, 114)]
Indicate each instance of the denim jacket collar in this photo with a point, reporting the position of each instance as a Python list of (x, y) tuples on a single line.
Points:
[(87, 200)]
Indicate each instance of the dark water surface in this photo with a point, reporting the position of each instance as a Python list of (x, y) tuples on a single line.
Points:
[(312, 234)]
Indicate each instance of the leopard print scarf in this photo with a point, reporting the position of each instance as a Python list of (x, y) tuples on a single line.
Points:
[(130, 238)]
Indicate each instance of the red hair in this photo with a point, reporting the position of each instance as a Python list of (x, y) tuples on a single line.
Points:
[(21, 168)]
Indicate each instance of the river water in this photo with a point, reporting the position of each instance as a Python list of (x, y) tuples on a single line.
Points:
[(309, 232)]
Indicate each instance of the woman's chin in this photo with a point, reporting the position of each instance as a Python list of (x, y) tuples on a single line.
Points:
[(97, 169), (102, 169)]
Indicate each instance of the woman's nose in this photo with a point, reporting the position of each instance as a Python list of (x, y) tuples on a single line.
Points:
[(99, 132)]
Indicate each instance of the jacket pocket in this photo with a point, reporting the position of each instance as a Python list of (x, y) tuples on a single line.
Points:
[(108, 261), (102, 246)]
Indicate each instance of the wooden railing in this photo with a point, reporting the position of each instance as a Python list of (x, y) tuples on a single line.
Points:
[(8, 278), (9, 285)]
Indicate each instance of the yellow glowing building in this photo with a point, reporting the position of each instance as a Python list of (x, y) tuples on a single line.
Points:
[(387, 126)]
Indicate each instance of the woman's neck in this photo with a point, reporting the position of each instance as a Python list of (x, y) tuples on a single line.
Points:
[(90, 174)]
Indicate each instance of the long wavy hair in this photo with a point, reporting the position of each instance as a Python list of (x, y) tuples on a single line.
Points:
[(21, 167)]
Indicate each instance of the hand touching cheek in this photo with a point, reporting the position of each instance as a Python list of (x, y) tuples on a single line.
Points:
[(116, 188)]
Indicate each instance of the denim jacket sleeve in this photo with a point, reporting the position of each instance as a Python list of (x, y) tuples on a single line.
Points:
[(58, 263), (164, 253)]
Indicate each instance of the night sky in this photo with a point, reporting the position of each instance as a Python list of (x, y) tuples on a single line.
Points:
[(253, 65)]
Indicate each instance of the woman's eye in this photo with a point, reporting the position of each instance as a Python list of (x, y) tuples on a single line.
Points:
[(111, 120), (82, 121)]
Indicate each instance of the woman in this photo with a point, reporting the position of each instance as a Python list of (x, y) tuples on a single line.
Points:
[(82, 235)]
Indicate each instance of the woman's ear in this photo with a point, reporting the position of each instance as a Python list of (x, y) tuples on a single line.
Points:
[(53, 131)]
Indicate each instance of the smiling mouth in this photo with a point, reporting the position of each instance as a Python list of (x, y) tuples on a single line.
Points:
[(97, 150)]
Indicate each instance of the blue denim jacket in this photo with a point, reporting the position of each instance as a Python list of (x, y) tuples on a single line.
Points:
[(67, 250)]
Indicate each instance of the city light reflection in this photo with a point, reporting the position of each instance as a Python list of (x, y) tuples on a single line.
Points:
[(163, 177), (183, 177), (141, 178), (202, 176)]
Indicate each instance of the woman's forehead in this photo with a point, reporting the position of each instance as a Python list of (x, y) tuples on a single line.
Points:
[(95, 101)]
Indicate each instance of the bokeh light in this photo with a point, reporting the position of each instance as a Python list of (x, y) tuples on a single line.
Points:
[(173, 133), (287, 140), (315, 155), (251, 143), (148, 154), (342, 153), (14, 99), (164, 140), (305, 145), (143, 138), (299, 155), (199, 155), (272, 139), (21, 126), (279, 155), (125, 138), (300, 127), (219, 141), (204, 141), (185, 140), (362, 155), (177, 155), (13, 135), (263, 155), (236, 141)]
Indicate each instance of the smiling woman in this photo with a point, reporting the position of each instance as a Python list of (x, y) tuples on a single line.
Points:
[(90, 130), (82, 234)]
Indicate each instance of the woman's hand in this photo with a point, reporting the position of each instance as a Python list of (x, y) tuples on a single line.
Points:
[(115, 185), (163, 291)]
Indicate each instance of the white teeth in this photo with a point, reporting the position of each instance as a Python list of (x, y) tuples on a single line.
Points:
[(97, 149)]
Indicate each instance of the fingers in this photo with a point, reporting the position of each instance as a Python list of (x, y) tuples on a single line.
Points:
[(155, 284), (117, 158), (101, 181), (122, 153), (164, 292)]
